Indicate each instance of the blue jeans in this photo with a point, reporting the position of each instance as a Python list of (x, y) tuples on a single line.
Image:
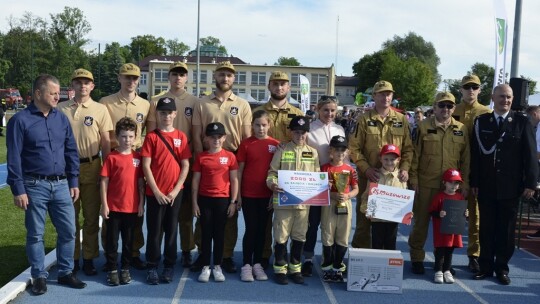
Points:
[(52, 197)]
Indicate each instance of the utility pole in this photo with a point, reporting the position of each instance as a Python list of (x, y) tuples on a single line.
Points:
[(515, 46)]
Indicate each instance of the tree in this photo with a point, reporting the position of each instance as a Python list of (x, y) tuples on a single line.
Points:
[(176, 48), (112, 61), (142, 46), (368, 70), (532, 85), (213, 41), (287, 61)]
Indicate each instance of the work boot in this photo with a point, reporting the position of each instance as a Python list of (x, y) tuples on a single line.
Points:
[(88, 267)]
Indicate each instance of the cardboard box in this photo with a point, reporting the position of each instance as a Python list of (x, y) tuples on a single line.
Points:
[(373, 270)]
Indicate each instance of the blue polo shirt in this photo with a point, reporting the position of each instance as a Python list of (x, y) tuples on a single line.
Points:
[(40, 145)]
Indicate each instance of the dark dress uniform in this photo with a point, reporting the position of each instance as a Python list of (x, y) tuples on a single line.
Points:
[(503, 163)]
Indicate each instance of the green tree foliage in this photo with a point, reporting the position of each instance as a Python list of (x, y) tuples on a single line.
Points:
[(175, 47), (213, 41), (113, 59), (287, 61), (142, 46), (368, 69)]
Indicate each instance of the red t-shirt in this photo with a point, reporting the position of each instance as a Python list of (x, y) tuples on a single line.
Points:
[(440, 239), (257, 155), (164, 166), (123, 171), (340, 169), (214, 168)]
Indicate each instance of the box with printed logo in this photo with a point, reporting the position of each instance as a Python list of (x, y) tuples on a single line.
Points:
[(373, 270)]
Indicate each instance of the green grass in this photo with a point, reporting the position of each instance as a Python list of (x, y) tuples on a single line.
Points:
[(3, 149)]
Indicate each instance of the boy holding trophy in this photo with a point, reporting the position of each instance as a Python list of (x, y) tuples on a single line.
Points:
[(336, 218)]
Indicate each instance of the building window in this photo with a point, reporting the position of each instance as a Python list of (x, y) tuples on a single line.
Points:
[(239, 91), (314, 97), (158, 89), (204, 76), (161, 75), (296, 95), (260, 95), (143, 79), (258, 78), (240, 78), (318, 81), (295, 80)]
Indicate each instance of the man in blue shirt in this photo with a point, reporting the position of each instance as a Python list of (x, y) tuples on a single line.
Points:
[(43, 172)]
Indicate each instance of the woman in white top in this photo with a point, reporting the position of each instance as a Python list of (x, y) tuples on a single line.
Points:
[(320, 133)]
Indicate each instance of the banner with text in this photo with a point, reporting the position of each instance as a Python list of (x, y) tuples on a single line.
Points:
[(304, 93)]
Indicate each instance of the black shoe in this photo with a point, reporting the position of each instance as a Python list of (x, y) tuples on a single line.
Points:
[(88, 268), (297, 278), (482, 275), (307, 269), (76, 266), (281, 279), (338, 277), (197, 266), (534, 236), (474, 267), (418, 268), (186, 259), (137, 263), (71, 281), (503, 279), (39, 286), (228, 265), (265, 262)]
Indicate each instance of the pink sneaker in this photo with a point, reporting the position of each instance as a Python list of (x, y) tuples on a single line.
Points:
[(246, 273)]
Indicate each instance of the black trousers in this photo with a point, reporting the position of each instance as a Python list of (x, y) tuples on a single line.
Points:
[(497, 233), (314, 220), (256, 215), (443, 258), (383, 235), (119, 223), (162, 222), (213, 219)]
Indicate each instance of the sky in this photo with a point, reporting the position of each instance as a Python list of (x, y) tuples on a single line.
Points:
[(260, 31)]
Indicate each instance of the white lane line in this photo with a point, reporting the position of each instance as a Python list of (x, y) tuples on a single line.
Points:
[(327, 289), (180, 288), (458, 281)]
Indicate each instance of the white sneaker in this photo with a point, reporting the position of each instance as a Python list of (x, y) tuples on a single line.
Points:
[(438, 277), (258, 272), (246, 273), (205, 274), (448, 277), (218, 274)]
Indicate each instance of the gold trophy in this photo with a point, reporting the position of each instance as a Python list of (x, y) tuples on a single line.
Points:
[(341, 179)]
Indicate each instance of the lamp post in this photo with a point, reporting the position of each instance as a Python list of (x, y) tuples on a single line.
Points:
[(198, 48)]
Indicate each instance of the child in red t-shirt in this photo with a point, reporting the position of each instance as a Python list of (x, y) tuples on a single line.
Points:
[(335, 228), (214, 193), (121, 206), (445, 243), (166, 156), (254, 156)]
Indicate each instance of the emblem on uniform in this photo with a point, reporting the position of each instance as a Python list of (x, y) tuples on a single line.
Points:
[(177, 142), (307, 154), (458, 133), (272, 148), (139, 118), (234, 110), (397, 124), (431, 131), (371, 123), (509, 119), (88, 120), (136, 162), (188, 111), (223, 160)]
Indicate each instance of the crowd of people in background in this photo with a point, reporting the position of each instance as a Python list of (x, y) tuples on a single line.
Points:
[(179, 156)]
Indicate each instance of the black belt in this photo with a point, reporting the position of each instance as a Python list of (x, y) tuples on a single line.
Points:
[(47, 177), (88, 159)]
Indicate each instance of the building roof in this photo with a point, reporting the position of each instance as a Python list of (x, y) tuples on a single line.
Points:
[(144, 63), (347, 81)]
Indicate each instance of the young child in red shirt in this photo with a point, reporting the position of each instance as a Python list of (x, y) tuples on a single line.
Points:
[(166, 156), (445, 243), (335, 228), (214, 193), (120, 207), (254, 156)]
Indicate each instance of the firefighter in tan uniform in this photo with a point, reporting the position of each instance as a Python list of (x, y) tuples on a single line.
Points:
[(441, 143), (235, 114), (376, 128), (291, 221), (466, 112), (91, 124), (126, 103), (280, 112), (185, 104)]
